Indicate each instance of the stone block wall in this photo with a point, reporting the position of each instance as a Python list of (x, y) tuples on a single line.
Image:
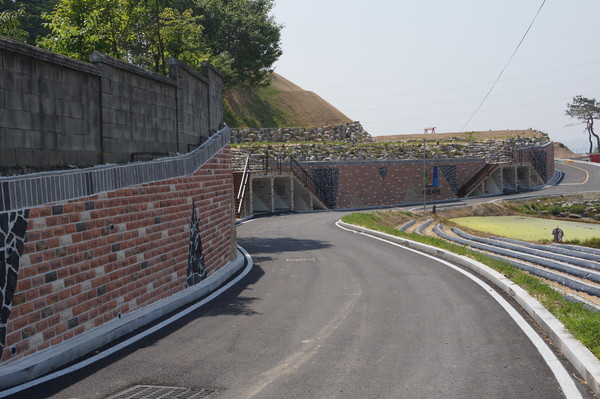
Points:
[(85, 258), (139, 110), (49, 109), (56, 112), (344, 185)]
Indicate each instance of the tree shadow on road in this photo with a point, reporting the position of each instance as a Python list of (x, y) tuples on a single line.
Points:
[(258, 247)]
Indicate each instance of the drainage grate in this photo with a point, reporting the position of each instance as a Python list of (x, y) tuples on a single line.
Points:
[(301, 259), (154, 392)]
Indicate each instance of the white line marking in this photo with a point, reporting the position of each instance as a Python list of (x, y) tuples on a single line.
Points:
[(143, 334), (562, 376)]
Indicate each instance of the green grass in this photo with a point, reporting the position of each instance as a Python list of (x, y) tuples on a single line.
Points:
[(581, 321), (529, 228), (261, 109)]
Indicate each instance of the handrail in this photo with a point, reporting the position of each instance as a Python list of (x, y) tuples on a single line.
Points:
[(483, 173), (299, 172), (243, 184)]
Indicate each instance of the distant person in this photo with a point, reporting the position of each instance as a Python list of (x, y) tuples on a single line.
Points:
[(433, 209), (558, 234)]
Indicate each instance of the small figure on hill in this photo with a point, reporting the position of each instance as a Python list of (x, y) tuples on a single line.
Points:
[(433, 209), (558, 234)]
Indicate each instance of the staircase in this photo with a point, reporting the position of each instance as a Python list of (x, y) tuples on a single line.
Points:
[(478, 178)]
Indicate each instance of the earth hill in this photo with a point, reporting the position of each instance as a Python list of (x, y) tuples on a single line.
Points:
[(284, 104)]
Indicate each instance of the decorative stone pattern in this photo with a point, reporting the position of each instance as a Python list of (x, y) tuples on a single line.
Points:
[(13, 226), (351, 132), (382, 171), (326, 184), (89, 259), (449, 172), (196, 270), (540, 158)]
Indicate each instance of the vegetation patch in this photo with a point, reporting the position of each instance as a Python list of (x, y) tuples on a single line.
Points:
[(582, 322), (529, 228)]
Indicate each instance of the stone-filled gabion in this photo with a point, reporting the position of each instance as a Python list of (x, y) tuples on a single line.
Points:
[(352, 132)]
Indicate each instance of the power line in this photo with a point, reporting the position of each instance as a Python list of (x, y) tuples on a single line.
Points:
[(506, 93), (505, 66), (387, 82), (467, 86), (556, 99)]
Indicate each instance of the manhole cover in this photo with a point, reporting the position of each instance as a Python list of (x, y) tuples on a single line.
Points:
[(154, 392), (301, 259)]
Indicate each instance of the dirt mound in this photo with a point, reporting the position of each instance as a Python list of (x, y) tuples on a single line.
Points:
[(466, 136), (562, 151)]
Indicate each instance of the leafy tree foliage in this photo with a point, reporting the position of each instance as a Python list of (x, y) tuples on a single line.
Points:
[(238, 36), (10, 22), (31, 26), (586, 110), (146, 32), (244, 34)]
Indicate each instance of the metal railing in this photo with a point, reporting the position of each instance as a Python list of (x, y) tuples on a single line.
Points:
[(243, 184)]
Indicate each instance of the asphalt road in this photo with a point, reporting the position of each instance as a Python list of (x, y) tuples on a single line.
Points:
[(579, 177), (326, 313)]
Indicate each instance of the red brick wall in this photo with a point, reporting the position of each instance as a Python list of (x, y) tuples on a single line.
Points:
[(87, 261), (362, 185)]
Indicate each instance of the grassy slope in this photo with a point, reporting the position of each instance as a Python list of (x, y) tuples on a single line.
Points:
[(281, 104)]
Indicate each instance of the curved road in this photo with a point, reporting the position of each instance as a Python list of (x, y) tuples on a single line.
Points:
[(329, 313), (579, 177)]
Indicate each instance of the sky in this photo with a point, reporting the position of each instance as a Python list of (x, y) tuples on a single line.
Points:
[(400, 66)]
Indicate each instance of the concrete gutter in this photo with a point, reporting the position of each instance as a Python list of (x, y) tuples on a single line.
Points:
[(40, 363), (580, 357)]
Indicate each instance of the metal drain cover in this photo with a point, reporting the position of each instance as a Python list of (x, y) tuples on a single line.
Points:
[(301, 259), (156, 392)]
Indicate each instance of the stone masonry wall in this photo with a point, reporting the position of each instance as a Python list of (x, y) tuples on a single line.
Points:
[(89, 259), (56, 112), (377, 183), (49, 109), (350, 132)]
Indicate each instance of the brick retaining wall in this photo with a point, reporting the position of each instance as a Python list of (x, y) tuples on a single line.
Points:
[(377, 183), (88, 260)]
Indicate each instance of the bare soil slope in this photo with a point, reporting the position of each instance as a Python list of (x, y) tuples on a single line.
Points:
[(306, 108), (562, 151), (289, 104)]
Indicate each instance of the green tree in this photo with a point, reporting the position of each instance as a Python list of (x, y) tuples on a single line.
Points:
[(31, 18), (10, 21), (145, 32), (241, 34), (586, 110), (80, 27)]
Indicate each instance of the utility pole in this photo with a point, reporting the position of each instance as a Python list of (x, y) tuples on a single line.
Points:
[(426, 130)]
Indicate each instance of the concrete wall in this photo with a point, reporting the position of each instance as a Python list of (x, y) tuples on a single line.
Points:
[(84, 247), (56, 112), (49, 109)]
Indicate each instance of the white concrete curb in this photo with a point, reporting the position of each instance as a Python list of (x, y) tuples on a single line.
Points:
[(580, 357), (40, 363)]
